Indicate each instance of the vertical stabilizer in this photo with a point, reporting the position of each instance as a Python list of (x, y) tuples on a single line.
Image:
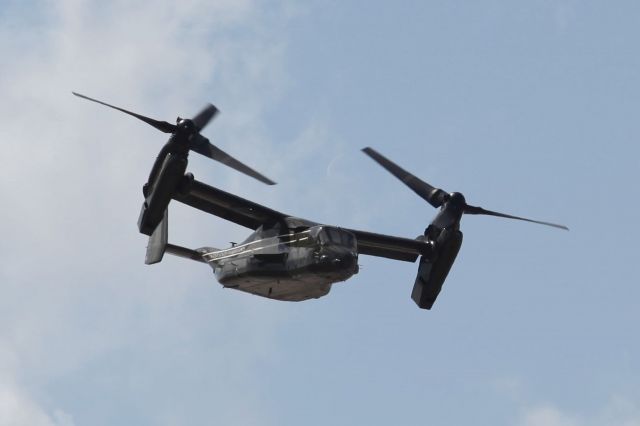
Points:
[(158, 241)]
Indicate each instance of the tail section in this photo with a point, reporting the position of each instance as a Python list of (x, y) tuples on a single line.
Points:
[(159, 244)]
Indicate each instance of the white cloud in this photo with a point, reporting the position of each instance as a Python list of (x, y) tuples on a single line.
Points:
[(16, 409), (618, 411), (547, 416), (79, 314)]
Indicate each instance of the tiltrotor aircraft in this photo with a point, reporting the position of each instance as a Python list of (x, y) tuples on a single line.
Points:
[(289, 258)]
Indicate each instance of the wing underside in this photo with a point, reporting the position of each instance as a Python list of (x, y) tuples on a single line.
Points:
[(388, 246)]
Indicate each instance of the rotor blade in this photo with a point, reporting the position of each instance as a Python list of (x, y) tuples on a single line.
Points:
[(479, 210), (163, 126), (203, 117), (204, 147), (433, 196)]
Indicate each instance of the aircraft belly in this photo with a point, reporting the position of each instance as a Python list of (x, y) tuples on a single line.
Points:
[(284, 285), (293, 275)]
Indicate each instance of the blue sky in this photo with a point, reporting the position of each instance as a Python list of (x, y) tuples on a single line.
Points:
[(529, 108)]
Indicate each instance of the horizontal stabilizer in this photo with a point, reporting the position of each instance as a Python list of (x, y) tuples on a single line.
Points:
[(158, 245), (185, 252)]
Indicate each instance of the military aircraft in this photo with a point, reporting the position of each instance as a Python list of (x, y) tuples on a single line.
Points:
[(286, 257)]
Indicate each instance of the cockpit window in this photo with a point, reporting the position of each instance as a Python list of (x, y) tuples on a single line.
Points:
[(338, 236), (349, 239)]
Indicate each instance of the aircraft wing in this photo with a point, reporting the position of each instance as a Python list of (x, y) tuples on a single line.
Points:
[(388, 246), (227, 206), (251, 215)]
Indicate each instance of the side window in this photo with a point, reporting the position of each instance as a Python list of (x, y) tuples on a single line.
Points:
[(349, 239), (323, 236)]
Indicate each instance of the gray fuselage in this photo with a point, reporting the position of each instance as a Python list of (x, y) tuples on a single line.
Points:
[(285, 265)]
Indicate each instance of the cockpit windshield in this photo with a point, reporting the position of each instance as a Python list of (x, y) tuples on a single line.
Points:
[(337, 236)]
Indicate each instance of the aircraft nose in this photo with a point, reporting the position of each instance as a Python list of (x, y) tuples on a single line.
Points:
[(347, 259)]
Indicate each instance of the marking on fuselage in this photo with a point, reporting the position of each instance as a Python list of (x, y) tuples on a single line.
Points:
[(244, 248)]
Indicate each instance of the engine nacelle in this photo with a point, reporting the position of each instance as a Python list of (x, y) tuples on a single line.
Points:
[(432, 272), (161, 192)]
